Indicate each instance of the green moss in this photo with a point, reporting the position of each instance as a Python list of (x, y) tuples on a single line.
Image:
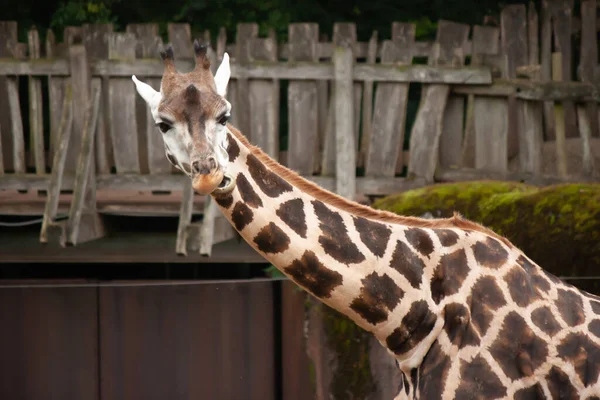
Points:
[(557, 226), (352, 378)]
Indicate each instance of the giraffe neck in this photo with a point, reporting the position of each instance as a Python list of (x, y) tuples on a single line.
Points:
[(369, 270)]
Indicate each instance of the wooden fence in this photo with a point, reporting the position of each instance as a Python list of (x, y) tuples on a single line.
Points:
[(499, 101)]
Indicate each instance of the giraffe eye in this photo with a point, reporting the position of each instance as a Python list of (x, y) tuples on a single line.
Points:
[(164, 127), (223, 119)]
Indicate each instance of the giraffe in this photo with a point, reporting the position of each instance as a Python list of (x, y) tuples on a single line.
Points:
[(465, 313)]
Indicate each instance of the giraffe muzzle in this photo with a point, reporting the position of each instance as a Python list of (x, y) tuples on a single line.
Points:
[(226, 185)]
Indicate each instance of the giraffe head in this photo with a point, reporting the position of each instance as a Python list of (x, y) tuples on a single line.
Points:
[(191, 113)]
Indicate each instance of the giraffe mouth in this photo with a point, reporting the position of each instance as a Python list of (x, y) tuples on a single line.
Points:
[(226, 185)]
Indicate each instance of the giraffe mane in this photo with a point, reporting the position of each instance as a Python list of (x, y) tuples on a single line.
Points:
[(360, 210)]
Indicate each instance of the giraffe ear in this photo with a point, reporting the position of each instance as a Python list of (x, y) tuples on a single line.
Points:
[(150, 96), (222, 76)]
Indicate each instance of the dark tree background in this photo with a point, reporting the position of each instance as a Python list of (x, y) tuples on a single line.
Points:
[(369, 15)]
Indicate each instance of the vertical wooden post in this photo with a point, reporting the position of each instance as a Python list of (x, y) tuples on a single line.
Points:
[(546, 63), (559, 118), (8, 40), (367, 104), (343, 62), (185, 217), (246, 32), (36, 117), (84, 222), (589, 167), (302, 100), (588, 61)]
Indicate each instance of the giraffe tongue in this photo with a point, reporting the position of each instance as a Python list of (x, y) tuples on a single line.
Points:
[(205, 184)]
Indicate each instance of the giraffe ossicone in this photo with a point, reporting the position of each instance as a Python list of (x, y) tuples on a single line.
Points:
[(465, 313)]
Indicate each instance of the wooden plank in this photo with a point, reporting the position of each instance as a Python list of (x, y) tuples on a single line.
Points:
[(56, 92), (58, 167), (589, 168), (36, 117), (427, 128), (470, 174), (123, 122), (529, 90), (491, 131), (533, 42), (263, 98), (83, 223), (185, 217), (1, 154), (49, 342), (588, 61), (16, 125), (180, 37), (150, 143), (391, 99), (546, 64), (530, 136), (367, 106), (302, 101), (514, 39), (154, 342), (561, 21), (8, 40), (345, 145), (560, 122), (244, 34)]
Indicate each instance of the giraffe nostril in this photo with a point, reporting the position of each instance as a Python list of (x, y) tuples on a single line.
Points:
[(200, 168), (212, 163)]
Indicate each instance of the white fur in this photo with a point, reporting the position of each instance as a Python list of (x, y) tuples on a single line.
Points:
[(222, 75)]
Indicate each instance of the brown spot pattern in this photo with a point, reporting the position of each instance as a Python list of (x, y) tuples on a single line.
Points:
[(224, 201), (544, 319), (292, 214), (518, 351), (311, 274), (241, 215), (478, 381), (334, 238), (378, 295), (570, 307), (269, 182), (233, 149), (541, 284), (374, 235), (595, 306), (458, 327), (520, 286), (248, 194), (560, 385), (530, 393), (594, 327), (433, 373), (271, 239), (485, 298), (420, 240), (405, 261), (447, 237), (415, 326), (449, 275), (490, 253), (577, 349)]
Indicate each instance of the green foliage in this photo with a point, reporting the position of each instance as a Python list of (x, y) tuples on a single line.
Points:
[(75, 13), (557, 226), (273, 272)]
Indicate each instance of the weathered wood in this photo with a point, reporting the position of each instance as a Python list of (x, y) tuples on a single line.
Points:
[(588, 61), (491, 131), (84, 223), (450, 148), (561, 21), (367, 106), (263, 99), (36, 117), (65, 129), (528, 90), (80, 90), (16, 125), (530, 136), (533, 42), (150, 142), (589, 168), (302, 102), (180, 37), (345, 145), (246, 32), (122, 99), (185, 217), (470, 174), (486, 42), (546, 71), (1, 154), (427, 128), (514, 39), (56, 91), (8, 40), (560, 124), (391, 99)]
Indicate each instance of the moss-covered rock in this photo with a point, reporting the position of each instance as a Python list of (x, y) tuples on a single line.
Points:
[(557, 226)]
